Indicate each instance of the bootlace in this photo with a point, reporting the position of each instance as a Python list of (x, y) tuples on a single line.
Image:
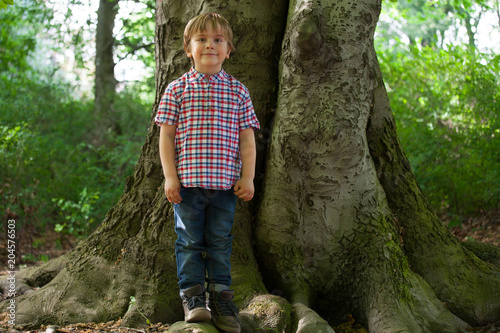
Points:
[(226, 308), (196, 302)]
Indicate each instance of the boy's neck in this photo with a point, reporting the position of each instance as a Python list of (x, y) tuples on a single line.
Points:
[(208, 72)]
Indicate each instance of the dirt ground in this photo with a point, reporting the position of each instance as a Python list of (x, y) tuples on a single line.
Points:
[(33, 247), (484, 228)]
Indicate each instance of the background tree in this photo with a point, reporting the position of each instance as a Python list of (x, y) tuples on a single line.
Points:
[(134, 36), (341, 222), (105, 83)]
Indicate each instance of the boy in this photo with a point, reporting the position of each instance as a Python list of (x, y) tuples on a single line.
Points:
[(207, 151)]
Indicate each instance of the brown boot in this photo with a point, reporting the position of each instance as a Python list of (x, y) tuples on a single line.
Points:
[(224, 311), (195, 305)]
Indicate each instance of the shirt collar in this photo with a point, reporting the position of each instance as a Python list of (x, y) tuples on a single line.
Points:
[(200, 77)]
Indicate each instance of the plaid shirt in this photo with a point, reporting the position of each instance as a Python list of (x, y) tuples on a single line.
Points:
[(210, 112)]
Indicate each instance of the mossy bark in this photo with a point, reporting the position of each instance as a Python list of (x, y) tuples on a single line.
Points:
[(338, 224)]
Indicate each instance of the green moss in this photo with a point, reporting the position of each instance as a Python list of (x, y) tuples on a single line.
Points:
[(485, 251), (267, 313), (399, 262)]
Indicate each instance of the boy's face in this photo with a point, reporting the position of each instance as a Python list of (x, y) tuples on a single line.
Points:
[(209, 49)]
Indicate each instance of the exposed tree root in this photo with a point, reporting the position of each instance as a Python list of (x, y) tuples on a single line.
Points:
[(305, 320), (415, 309), (96, 291), (32, 277), (484, 251), (267, 313), (182, 326)]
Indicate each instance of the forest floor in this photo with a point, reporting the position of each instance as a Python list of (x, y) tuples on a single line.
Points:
[(32, 248)]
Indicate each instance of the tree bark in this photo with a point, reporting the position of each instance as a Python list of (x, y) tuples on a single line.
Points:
[(105, 83), (338, 221)]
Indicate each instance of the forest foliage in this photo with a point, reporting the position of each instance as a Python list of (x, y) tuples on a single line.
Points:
[(445, 94), (52, 175), (443, 87)]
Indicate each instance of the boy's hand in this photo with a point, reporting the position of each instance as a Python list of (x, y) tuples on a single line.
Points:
[(244, 189), (173, 189)]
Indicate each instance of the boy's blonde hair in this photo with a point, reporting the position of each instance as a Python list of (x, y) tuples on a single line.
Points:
[(201, 22)]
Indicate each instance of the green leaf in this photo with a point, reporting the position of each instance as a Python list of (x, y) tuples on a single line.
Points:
[(59, 227), (132, 302)]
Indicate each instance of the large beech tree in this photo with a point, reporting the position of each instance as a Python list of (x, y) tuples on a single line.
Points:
[(338, 225)]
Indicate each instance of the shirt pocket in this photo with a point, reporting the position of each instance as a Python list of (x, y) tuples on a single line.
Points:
[(225, 113)]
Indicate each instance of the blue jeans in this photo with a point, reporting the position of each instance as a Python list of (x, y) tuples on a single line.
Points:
[(203, 223)]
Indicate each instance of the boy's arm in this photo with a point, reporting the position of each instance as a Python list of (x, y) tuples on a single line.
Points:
[(244, 187), (167, 156)]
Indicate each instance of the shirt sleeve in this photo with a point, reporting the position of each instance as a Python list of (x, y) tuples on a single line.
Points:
[(248, 119), (168, 110)]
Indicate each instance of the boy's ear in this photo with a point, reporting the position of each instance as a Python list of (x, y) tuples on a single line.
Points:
[(188, 52)]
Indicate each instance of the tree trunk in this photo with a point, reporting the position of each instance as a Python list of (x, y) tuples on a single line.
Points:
[(105, 83), (470, 27), (338, 221)]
